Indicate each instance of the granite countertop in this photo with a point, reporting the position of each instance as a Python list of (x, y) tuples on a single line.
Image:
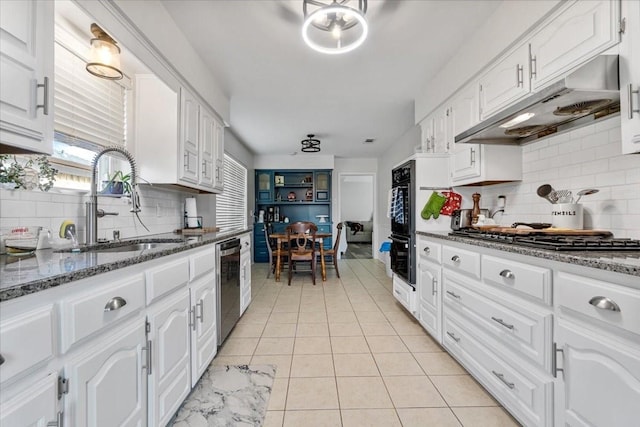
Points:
[(625, 262), (48, 268)]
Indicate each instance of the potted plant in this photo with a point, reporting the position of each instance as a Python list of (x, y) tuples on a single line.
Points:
[(14, 175), (118, 184)]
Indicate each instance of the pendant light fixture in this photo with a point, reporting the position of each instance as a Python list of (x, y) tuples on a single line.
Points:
[(310, 145), (105, 55), (334, 27)]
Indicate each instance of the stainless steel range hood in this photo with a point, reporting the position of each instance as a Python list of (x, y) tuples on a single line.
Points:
[(584, 96)]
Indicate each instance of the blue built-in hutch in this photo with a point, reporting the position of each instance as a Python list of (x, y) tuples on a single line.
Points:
[(293, 195)]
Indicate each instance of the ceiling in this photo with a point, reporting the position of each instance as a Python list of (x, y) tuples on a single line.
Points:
[(281, 90)]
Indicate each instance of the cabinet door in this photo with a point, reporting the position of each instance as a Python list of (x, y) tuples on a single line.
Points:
[(207, 148), (203, 325), (26, 67), (465, 162), (323, 186), (189, 144), (464, 109), (108, 381), (245, 280), (35, 406), (576, 34), (600, 380), (427, 134), (264, 186), (430, 304), (169, 380), (441, 132), (505, 82), (630, 78), (218, 157)]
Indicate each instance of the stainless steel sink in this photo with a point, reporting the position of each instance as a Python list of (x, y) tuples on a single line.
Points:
[(131, 247), (136, 245)]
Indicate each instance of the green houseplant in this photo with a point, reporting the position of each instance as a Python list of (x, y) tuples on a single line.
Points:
[(117, 184)]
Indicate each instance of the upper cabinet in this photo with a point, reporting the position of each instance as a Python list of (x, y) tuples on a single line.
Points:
[(575, 33), (177, 141), (26, 67), (630, 77)]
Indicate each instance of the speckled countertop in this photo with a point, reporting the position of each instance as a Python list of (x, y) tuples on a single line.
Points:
[(625, 262), (47, 268)]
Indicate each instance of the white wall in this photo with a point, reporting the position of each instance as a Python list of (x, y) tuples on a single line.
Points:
[(298, 161), (356, 197)]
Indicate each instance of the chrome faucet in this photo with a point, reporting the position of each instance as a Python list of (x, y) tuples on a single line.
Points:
[(93, 213)]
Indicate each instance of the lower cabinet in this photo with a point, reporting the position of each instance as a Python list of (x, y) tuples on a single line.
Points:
[(35, 406), (405, 294), (108, 380), (245, 273), (204, 342)]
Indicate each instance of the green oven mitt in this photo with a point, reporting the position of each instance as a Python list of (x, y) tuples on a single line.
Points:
[(433, 206)]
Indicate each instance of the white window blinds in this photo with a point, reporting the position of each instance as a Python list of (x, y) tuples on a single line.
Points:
[(87, 108), (231, 205)]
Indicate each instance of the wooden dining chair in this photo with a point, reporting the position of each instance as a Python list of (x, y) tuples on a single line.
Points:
[(301, 238), (332, 254), (272, 249)]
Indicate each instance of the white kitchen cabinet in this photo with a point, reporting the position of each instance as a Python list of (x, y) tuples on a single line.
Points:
[(505, 82), (598, 377), (405, 294), (630, 77), (485, 164), (245, 272), (108, 380), (429, 296), (204, 343), (464, 110), (34, 406), (178, 141), (26, 67), (574, 34), (169, 376)]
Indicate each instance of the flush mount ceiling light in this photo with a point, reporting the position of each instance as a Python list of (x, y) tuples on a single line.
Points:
[(310, 145), (105, 55), (334, 27)]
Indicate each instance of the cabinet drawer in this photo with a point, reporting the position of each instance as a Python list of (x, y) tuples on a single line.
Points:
[(427, 249), (526, 394), (202, 262), (164, 279), (520, 327), (26, 340), (461, 260), (581, 294), (405, 294), (530, 281), (92, 311)]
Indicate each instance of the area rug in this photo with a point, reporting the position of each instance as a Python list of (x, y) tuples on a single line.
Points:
[(228, 396)]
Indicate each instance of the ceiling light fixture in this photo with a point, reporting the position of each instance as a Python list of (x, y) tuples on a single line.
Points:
[(334, 27), (310, 145), (105, 55)]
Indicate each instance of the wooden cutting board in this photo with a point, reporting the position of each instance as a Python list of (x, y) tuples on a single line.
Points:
[(196, 231), (544, 231)]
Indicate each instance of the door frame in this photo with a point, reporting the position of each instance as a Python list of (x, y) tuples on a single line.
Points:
[(338, 218)]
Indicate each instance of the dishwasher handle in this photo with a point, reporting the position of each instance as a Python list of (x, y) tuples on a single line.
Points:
[(231, 251)]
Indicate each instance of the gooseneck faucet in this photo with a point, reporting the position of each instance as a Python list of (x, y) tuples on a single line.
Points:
[(92, 205)]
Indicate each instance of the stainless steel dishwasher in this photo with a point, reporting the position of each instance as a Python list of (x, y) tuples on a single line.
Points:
[(228, 286)]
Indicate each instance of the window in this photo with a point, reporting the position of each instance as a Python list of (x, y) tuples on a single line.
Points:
[(231, 205)]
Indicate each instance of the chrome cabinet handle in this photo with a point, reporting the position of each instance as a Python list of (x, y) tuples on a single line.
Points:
[(434, 283), (533, 72), (204, 168), (397, 292), (473, 156), (200, 316), (115, 303), (501, 378), (631, 93), (192, 318), (453, 337), (427, 250), (453, 294), (149, 357), (507, 274), (604, 303), (520, 75), (455, 258), (186, 160), (1, 360), (502, 322), (45, 101)]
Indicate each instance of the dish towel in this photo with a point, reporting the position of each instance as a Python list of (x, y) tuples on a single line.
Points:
[(389, 203)]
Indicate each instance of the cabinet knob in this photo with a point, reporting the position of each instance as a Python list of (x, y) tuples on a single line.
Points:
[(427, 250), (604, 303), (115, 303), (455, 258), (1, 360), (507, 274)]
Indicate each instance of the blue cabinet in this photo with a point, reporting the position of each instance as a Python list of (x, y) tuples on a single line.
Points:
[(260, 251)]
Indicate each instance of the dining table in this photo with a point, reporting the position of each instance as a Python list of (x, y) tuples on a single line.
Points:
[(282, 237)]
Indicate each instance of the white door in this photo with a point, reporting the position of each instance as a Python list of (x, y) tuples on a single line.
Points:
[(26, 67), (204, 343), (170, 379), (207, 148), (35, 406), (108, 381), (600, 382), (430, 304), (506, 82), (189, 146), (630, 78)]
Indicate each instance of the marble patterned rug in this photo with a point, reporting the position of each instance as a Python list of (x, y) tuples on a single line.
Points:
[(228, 396)]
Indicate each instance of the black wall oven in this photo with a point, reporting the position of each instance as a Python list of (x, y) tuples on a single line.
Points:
[(403, 229)]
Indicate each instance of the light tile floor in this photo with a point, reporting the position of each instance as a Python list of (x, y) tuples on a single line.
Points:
[(347, 354)]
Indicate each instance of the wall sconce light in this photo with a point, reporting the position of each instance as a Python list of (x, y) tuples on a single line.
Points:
[(105, 55)]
